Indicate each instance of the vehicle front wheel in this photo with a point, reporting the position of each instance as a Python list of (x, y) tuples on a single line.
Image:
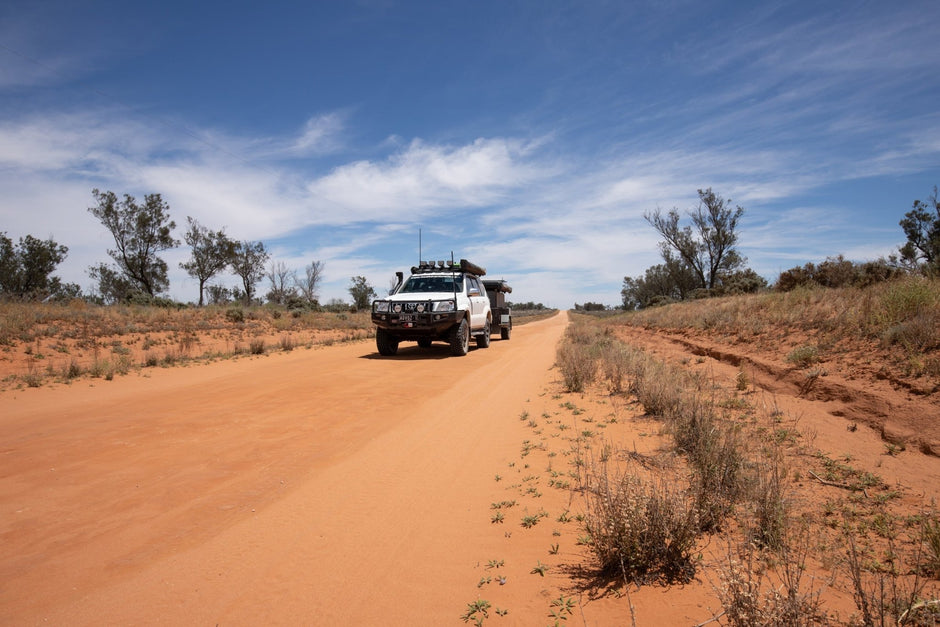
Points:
[(459, 339), (386, 342), (483, 341)]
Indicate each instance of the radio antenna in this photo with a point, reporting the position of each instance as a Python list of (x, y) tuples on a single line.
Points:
[(419, 247)]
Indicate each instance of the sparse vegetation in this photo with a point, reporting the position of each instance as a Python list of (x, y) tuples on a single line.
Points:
[(77, 338), (736, 478)]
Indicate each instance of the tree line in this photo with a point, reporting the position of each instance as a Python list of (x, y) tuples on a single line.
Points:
[(702, 259), (699, 259), (142, 231)]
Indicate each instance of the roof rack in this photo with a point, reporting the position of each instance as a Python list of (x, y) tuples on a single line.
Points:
[(448, 266), (497, 285)]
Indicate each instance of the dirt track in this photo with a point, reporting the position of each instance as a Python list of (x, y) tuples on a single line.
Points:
[(323, 486), (330, 486)]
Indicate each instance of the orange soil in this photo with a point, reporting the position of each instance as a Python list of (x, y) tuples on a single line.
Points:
[(331, 486)]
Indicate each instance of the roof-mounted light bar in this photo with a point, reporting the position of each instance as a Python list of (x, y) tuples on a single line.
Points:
[(448, 266)]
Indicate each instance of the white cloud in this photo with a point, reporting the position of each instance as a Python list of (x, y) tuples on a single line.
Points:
[(424, 176), (319, 134)]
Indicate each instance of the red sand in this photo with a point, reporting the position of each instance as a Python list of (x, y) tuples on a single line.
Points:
[(325, 486)]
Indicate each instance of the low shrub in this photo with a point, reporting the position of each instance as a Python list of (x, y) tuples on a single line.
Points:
[(930, 535), (715, 456), (771, 507), (640, 530), (752, 594), (577, 365), (803, 356)]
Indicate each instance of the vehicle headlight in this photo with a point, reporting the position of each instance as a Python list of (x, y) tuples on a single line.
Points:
[(444, 305), (380, 306)]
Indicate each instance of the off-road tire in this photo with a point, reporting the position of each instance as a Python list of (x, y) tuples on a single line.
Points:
[(505, 332), (425, 342), (386, 342), (459, 339), (483, 341)]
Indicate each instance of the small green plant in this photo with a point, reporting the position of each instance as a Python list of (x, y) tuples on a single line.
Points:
[(256, 346), (476, 612), (497, 518), (495, 564), (803, 356), (562, 607), (893, 449), (530, 521), (540, 569), (553, 550)]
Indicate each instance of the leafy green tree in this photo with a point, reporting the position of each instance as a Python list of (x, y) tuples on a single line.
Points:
[(661, 284), (218, 294), (922, 227), (26, 268), (248, 263), (361, 291), (212, 252), (141, 232), (708, 246), (839, 272), (111, 284), (744, 281)]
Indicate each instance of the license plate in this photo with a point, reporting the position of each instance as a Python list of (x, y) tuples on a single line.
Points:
[(408, 317)]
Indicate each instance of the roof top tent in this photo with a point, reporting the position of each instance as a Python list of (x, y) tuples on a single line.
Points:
[(497, 289)]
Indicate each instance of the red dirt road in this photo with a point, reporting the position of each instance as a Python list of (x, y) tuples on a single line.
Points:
[(323, 486)]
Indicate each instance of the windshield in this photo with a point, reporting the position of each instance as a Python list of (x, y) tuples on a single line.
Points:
[(418, 284)]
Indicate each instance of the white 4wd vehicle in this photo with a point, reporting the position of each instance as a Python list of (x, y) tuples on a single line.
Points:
[(439, 301)]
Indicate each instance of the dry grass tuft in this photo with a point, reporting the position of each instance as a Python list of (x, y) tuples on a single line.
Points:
[(639, 529), (752, 593)]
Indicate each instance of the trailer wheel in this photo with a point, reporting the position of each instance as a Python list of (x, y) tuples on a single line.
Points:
[(459, 339), (386, 342), (505, 332), (483, 341)]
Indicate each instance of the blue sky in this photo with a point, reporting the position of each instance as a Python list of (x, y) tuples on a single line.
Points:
[(529, 137)]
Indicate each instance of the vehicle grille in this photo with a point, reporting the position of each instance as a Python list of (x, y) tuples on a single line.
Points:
[(413, 307)]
